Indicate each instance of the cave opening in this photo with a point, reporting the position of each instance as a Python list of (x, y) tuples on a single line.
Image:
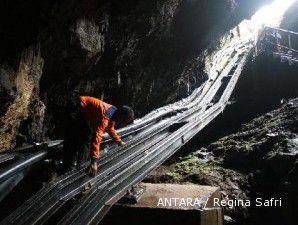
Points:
[(148, 56), (265, 83)]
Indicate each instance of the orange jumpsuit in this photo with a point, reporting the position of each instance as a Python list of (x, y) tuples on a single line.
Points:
[(98, 114)]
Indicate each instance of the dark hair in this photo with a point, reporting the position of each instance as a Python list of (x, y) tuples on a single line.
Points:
[(126, 111)]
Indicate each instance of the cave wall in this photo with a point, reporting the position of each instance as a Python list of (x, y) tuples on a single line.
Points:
[(291, 18), (137, 52)]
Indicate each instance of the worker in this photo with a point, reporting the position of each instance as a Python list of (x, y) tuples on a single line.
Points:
[(92, 117)]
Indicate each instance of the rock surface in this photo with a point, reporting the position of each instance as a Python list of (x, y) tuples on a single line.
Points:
[(145, 53), (259, 161)]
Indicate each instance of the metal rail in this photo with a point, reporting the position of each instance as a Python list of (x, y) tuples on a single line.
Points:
[(155, 138), (283, 43), (9, 184), (157, 115), (93, 207), (28, 159), (6, 157), (20, 160), (76, 182)]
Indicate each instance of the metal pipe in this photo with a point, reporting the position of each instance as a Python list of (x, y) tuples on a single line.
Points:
[(27, 161), (123, 169)]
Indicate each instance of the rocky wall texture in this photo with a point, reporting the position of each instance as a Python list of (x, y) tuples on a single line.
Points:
[(259, 161), (137, 52), (23, 103), (291, 22)]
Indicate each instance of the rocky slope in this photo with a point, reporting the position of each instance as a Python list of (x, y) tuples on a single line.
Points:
[(259, 161), (144, 53)]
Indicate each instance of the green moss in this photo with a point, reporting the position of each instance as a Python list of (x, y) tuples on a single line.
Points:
[(190, 168), (175, 177)]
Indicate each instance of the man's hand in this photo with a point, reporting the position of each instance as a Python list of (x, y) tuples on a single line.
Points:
[(121, 143), (93, 169)]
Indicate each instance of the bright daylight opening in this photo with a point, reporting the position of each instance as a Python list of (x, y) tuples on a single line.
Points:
[(271, 15), (247, 32)]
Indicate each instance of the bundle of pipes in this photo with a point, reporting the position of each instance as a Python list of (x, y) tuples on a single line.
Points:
[(150, 142)]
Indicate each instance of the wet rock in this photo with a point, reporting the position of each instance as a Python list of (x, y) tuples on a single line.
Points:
[(259, 161), (89, 35), (229, 221), (142, 53)]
